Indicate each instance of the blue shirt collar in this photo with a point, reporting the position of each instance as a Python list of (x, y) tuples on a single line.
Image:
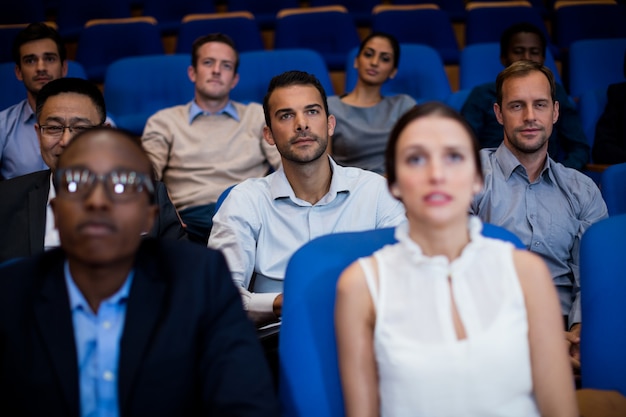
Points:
[(508, 162), (77, 299), (195, 111), (280, 187)]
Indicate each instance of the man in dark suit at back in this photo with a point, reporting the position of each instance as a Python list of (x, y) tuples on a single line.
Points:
[(64, 107), (113, 324)]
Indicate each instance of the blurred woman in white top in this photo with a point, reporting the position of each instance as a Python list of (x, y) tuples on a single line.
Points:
[(447, 322)]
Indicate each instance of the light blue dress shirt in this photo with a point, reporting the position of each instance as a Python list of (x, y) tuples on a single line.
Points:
[(195, 111), (97, 338), (549, 215), (262, 223), (19, 145)]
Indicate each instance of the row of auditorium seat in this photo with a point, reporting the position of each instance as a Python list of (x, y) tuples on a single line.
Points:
[(137, 87), (103, 41), (570, 21)]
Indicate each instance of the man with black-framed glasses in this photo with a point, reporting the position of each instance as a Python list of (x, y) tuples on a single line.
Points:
[(113, 324), (64, 107)]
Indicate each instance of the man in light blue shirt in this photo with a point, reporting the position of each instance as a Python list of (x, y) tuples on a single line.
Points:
[(39, 55), (547, 205), (264, 221)]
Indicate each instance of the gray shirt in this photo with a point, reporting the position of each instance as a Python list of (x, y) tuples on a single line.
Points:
[(549, 215), (361, 133)]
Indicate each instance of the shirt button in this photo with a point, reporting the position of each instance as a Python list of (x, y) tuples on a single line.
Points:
[(107, 375), (537, 243), (106, 325)]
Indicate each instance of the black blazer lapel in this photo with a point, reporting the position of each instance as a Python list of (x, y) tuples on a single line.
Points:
[(143, 313), (37, 199), (53, 315)]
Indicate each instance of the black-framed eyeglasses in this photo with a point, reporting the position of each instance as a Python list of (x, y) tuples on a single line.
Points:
[(120, 185), (56, 131)]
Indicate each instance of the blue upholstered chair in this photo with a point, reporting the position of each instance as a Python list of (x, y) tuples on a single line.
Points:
[(309, 384), (485, 22), (335, 32), (136, 88), (256, 69), (425, 24), (240, 26), (169, 13), (480, 64), (613, 188), (591, 104), (595, 63), (104, 41), (603, 285), (577, 20), (264, 11), (73, 14), (421, 74), (13, 90), (360, 10)]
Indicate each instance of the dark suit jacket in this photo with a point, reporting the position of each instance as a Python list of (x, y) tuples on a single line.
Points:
[(609, 146), (23, 215), (187, 346)]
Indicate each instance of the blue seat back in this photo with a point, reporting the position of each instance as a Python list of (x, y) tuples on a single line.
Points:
[(169, 13), (486, 24), (334, 36), (102, 44), (591, 104), (421, 74), (264, 11), (257, 68), (613, 188), (13, 90), (136, 88), (595, 63), (480, 64), (430, 27), (602, 280), (73, 14), (309, 384), (243, 31), (586, 20)]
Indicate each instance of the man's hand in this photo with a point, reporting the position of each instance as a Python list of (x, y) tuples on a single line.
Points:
[(278, 305), (573, 341)]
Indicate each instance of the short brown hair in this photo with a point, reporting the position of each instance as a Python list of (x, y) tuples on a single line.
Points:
[(521, 69), (213, 37)]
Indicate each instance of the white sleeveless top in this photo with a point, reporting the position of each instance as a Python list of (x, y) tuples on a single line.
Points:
[(423, 369)]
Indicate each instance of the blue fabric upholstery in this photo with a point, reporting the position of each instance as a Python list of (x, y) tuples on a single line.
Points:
[(602, 280), (13, 90), (137, 87), (430, 27), (309, 384), (169, 13), (243, 31), (595, 63), (613, 188), (257, 68), (334, 36), (100, 45), (480, 64)]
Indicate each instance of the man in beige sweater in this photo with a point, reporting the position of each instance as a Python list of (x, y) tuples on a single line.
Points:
[(201, 148)]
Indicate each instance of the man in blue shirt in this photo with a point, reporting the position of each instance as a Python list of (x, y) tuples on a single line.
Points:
[(548, 206), (567, 143), (111, 324), (39, 55)]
